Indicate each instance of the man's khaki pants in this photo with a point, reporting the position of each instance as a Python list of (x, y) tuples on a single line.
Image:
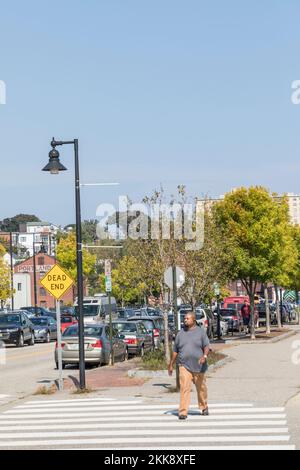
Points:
[(186, 378)]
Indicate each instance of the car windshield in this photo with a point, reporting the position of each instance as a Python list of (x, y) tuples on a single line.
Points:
[(149, 324), (10, 319), (227, 313), (66, 319), (39, 321), (88, 331), (200, 314), (126, 327)]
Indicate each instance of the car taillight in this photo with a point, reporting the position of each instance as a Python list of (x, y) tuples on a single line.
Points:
[(155, 332), (234, 318), (131, 341), (62, 345), (98, 344), (206, 323)]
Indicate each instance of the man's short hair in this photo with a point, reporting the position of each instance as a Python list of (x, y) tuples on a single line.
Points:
[(192, 313)]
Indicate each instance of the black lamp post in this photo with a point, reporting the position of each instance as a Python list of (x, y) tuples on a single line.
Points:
[(54, 166), (42, 250)]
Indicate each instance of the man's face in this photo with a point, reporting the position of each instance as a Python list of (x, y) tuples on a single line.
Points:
[(189, 320)]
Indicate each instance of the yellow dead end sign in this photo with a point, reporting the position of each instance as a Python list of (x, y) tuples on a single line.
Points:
[(57, 282)]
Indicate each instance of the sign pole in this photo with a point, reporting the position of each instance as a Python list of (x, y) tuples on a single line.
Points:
[(177, 322), (108, 287), (59, 350)]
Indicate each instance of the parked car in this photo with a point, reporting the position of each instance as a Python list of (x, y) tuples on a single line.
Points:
[(66, 321), (136, 337), (39, 311), (223, 323), (16, 328), (233, 318), (96, 344), (154, 325), (125, 312), (45, 329)]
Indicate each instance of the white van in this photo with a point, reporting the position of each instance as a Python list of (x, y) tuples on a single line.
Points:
[(97, 308)]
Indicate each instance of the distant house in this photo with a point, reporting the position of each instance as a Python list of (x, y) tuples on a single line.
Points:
[(44, 263)]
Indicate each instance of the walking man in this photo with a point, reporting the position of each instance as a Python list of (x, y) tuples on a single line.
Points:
[(191, 350)]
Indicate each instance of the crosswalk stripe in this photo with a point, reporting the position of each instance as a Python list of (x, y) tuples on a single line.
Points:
[(33, 405), (139, 440), (212, 448), (146, 432), (74, 400), (110, 414), (117, 418), (173, 424), (136, 424), (140, 407)]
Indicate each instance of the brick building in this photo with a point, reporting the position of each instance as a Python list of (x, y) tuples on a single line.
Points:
[(44, 263)]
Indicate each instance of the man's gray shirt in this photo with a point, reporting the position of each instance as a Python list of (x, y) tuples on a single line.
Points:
[(190, 345)]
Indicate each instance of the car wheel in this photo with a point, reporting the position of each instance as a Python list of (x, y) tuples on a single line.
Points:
[(20, 343), (31, 341), (126, 355)]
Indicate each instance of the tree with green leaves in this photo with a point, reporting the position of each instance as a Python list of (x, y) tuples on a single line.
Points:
[(66, 257), (257, 224), (12, 224), (5, 280)]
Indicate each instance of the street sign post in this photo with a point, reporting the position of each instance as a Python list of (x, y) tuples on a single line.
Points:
[(57, 282), (217, 294), (174, 278), (108, 288)]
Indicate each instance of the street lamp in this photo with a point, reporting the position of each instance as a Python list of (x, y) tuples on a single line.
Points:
[(42, 250), (54, 167)]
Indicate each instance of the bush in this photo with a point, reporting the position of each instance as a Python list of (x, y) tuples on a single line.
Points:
[(155, 360)]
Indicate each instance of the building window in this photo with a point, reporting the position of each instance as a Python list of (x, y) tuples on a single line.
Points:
[(19, 286), (22, 239), (43, 292), (41, 260)]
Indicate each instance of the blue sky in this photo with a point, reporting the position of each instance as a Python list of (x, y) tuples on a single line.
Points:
[(157, 92)]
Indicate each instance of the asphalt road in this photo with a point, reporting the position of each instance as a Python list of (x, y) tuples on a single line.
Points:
[(26, 369)]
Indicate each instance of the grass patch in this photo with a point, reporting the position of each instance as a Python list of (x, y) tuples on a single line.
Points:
[(156, 360), (43, 390), (83, 391)]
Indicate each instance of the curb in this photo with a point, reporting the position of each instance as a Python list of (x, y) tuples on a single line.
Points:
[(164, 373), (263, 341)]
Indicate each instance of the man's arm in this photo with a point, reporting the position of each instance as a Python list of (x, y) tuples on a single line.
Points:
[(172, 362)]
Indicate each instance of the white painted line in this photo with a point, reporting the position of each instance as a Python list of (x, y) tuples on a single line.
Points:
[(98, 418), (103, 405), (56, 404), (144, 432), (129, 408), (144, 425), (126, 412), (259, 447), (75, 400), (138, 440), (4, 396)]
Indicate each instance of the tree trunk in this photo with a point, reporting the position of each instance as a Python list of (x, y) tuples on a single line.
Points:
[(277, 307), (166, 344), (252, 321), (268, 319)]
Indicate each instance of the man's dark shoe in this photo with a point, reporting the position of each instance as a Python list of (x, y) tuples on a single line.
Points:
[(182, 417), (205, 412)]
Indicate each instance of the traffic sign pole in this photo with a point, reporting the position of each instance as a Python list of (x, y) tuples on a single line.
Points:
[(176, 319), (108, 287), (59, 349)]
